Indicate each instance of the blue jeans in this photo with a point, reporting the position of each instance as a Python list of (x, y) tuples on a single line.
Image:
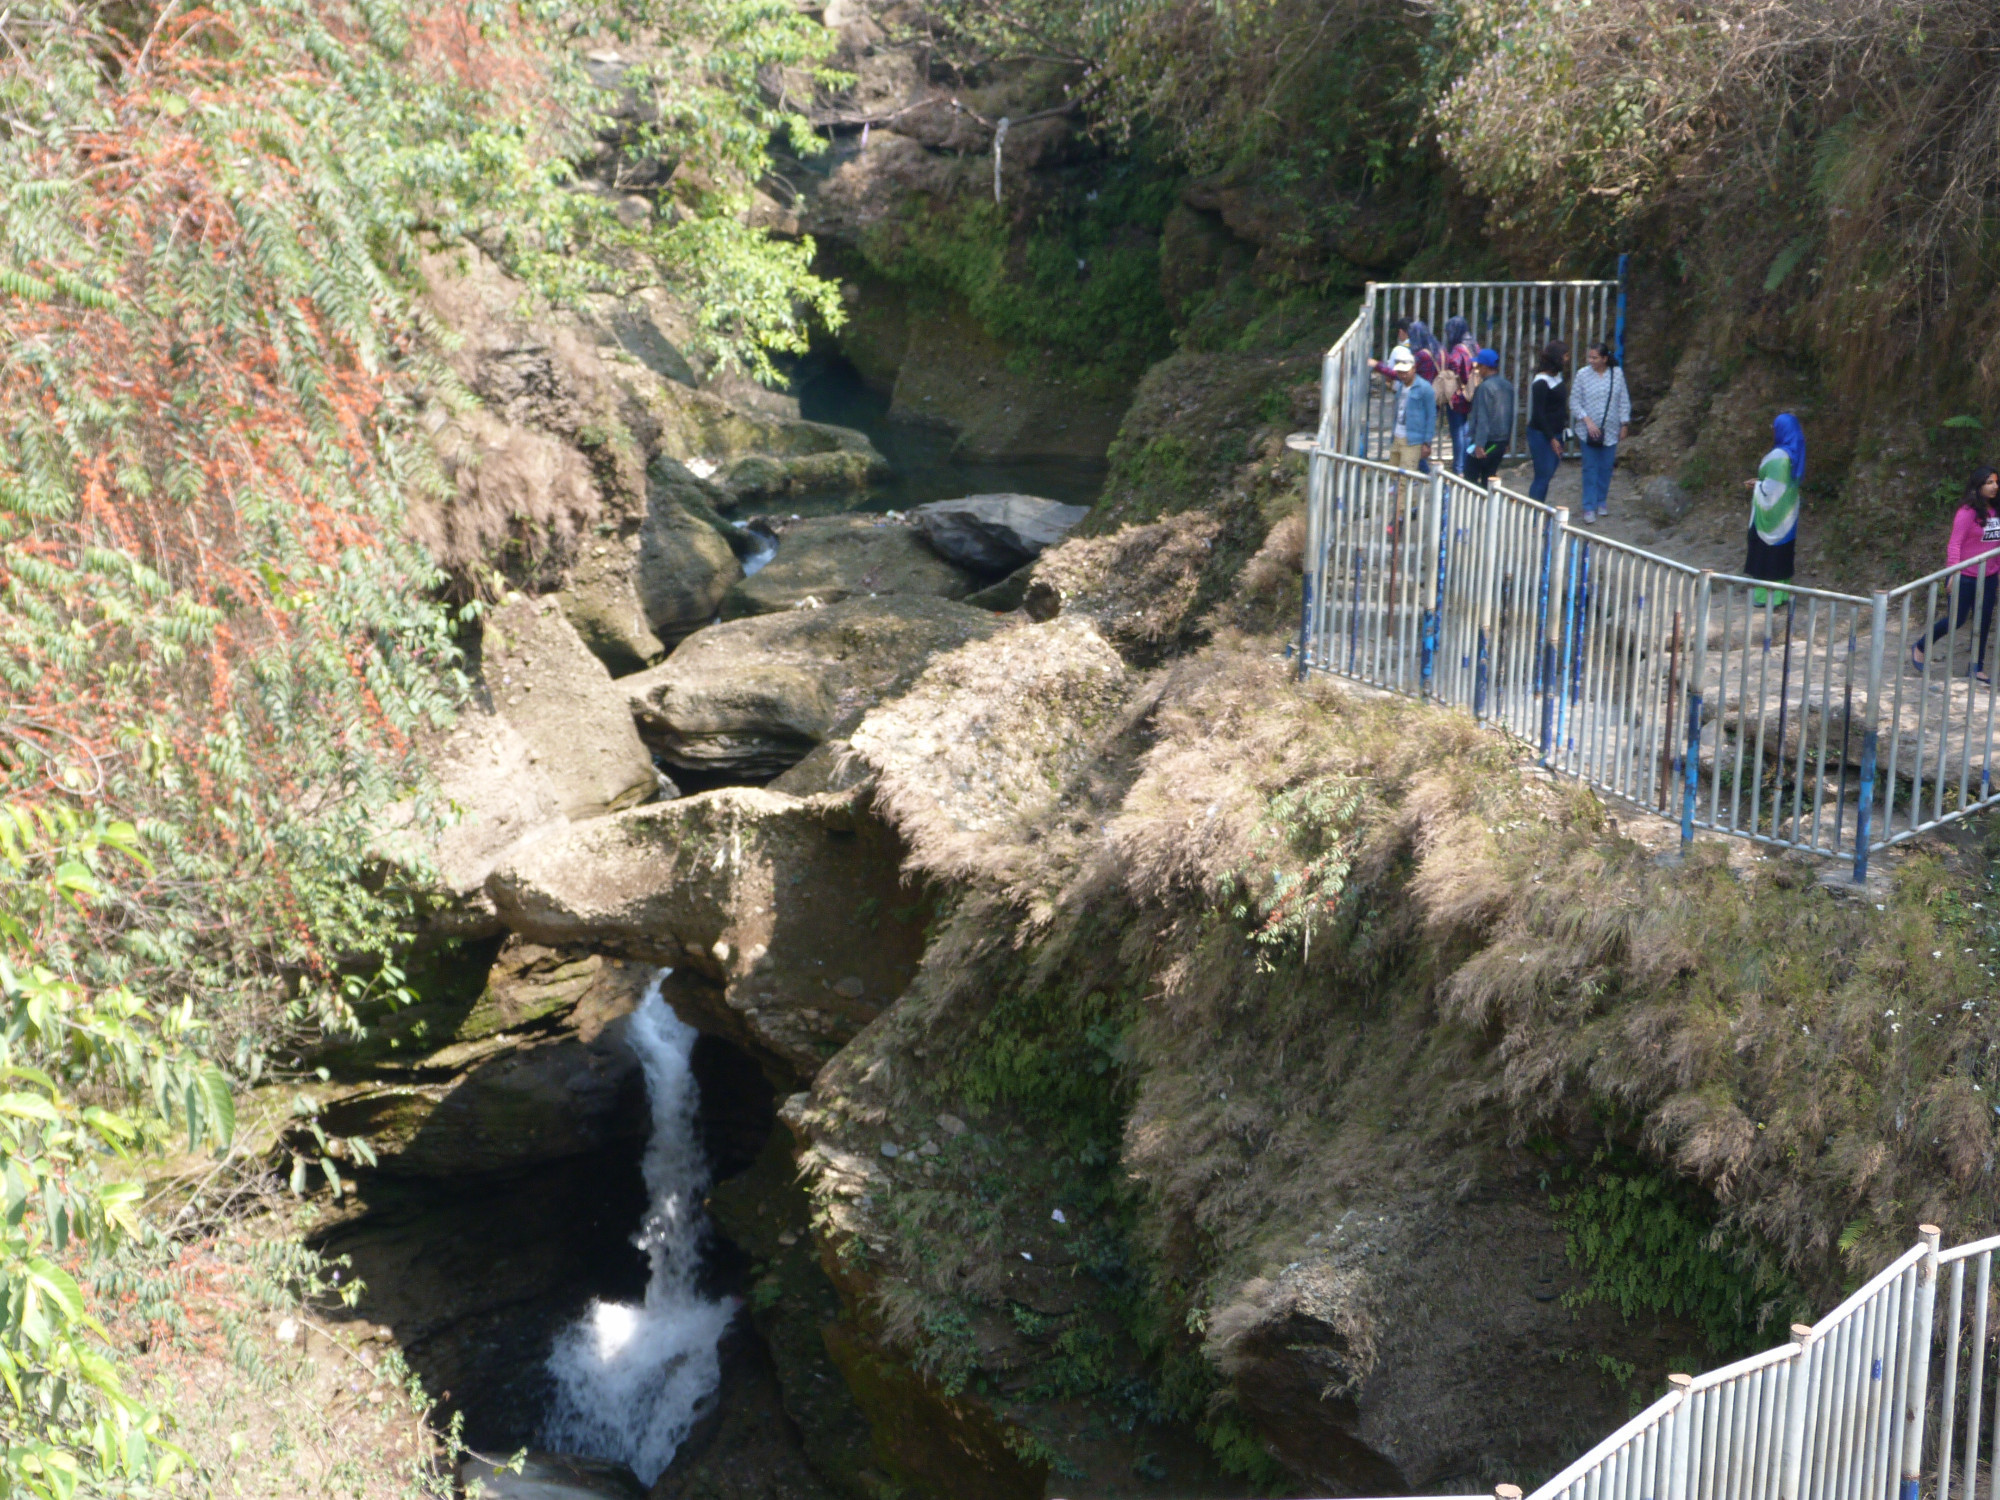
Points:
[(1457, 420), (1597, 463), (1543, 452)]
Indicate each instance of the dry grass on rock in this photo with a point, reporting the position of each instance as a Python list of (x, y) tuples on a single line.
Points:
[(1254, 958)]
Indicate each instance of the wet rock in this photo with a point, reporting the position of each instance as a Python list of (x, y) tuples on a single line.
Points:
[(1007, 594), (806, 1410), (562, 702), (553, 1476), (537, 1070), (831, 766), (839, 465), (748, 1447), (995, 534), (753, 696), (830, 558), (750, 895)]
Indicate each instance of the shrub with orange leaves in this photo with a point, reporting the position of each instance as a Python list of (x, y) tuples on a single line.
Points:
[(211, 620), (218, 645)]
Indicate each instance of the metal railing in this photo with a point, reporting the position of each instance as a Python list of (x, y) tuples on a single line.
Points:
[(1840, 1413), (1783, 715), (1513, 318)]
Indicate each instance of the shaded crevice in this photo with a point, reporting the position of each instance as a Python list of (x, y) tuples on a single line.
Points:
[(474, 1276)]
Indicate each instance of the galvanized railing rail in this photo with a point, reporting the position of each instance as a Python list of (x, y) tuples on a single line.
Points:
[(1839, 1413), (1850, 1409), (1784, 716), (1516, 319)]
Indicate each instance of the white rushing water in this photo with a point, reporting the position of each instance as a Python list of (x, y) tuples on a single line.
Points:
[(631, 1381)]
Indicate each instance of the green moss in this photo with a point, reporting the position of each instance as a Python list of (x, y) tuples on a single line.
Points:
[(1080, 282)]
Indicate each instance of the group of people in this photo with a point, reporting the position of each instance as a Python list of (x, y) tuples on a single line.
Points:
[(1458, 380)]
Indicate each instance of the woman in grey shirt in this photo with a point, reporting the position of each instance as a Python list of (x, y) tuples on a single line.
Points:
[(1600, 410)]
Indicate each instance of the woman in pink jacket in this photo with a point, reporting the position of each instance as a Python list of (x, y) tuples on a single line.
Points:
[(1975, 529)]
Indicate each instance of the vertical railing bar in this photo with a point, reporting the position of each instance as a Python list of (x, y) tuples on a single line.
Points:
[(1896, 723), (1918, 752), (1975, 1385), (1721, 706), (1916, 1352), (1944, 711), (1650, 678), (1948, 1402), (1986, 747), (1805, 698), (1763, 715), (1743, 706), (1853, 1385), (1697, 674), (1823, 1413), (1897, 1381), (1825, 716)]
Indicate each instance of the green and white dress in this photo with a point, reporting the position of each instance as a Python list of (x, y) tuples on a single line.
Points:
[(1774, 521)]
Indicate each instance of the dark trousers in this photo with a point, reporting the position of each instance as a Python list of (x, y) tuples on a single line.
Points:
[(1456, 422), (1969, 590), (1482, 464), (1546, 458)]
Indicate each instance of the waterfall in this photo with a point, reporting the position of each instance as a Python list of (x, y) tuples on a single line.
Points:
[(630, 1381)]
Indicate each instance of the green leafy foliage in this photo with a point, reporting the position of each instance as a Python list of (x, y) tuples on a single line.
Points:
[(1082, 283), (1056, 1056), (88, 1074), (1653, 1244), (1302, 866)]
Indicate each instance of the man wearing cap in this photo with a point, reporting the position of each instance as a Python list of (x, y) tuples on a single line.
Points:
[(1416, 413), (1489, 430)]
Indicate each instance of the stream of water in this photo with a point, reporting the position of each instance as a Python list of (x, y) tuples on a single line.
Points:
[(631, 1380)]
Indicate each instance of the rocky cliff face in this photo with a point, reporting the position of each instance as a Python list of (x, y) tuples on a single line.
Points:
[(1132, 1145)]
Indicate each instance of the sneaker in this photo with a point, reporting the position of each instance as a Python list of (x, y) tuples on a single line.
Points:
[(1590, 518)]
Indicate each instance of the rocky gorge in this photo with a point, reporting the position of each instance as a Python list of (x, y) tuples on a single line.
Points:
[(1042, 1157)]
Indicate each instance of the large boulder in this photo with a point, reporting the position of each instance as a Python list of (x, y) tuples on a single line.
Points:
[(562, 702), (784, 918), (487, 794), (972, 757), (600, 598), (753, 696), (1139, 585), (830, 558), (537, 1069), (995, 534), (686, 562)]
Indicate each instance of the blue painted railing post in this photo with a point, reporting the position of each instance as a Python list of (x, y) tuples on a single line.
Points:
[(1697, 673), (1554, 614), (1618, 336), (1863, 818), (1316, 497)]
